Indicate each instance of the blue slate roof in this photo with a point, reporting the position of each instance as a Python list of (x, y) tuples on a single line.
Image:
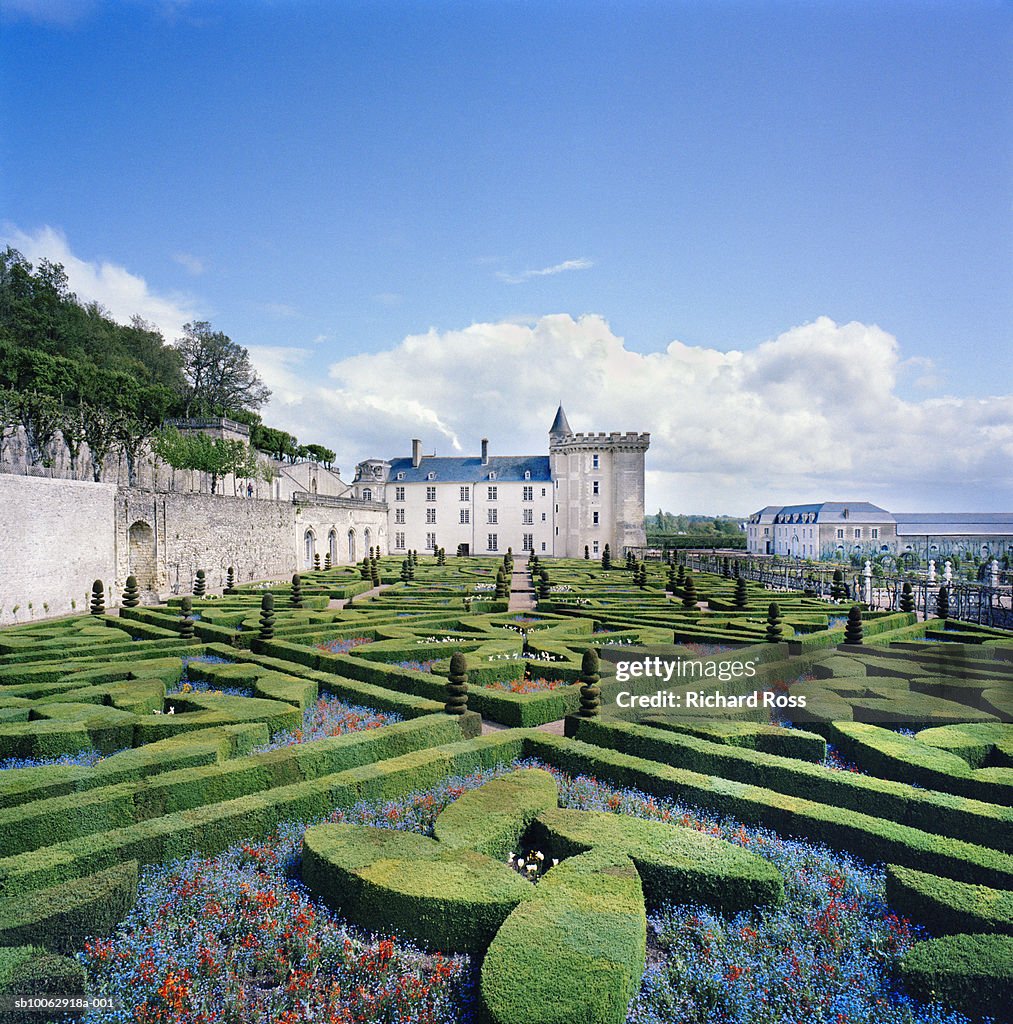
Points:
[(833, 511), (956, 523), (508, 469)]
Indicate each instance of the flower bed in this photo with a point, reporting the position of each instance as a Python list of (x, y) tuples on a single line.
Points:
[(331, 716), (235, 938)]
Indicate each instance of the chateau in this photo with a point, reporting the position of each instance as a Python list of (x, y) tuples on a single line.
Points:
[(61, 532), (588, 491), (838, 529)]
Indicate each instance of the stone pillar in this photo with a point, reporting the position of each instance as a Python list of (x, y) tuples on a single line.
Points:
[(932, 570), (867, 573), (948, 572)]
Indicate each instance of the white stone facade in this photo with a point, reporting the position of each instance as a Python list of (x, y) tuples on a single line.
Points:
[(589, 490)]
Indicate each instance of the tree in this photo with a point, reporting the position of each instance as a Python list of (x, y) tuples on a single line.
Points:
[(185, 618), (131, 593), (943, 603), (689, 598), (98, 599), (606, 558), (907, 598), (853, 627), (457, 685), (296, 595), (218, 373), (230, 581), (773, 632), (200, 584), (266, 618), (590, 703), (741, 599)]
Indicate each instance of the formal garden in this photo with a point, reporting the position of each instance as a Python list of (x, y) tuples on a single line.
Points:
[(391, 793)]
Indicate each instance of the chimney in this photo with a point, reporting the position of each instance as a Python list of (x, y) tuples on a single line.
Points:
[(416, 452), (485, 451)]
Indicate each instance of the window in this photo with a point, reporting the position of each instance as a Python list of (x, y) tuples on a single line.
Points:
[(430, 476), (492, 476), (465, 494), (492, 494), (399, 494), (543, 492), (400, 476), (493, 544), (529, 494), (840, 534), (430, 515), (594, 487), (527, 516), (594, 518), (399, 516), (367, 494), (594, 548), (595, 462), (430, 542), (527, 474), (875, 533), (858, 532), (766, 531), (465, 515), (430, 494), (543, 517), (399, 541), (491, 514), (543, 545), (527, 542)]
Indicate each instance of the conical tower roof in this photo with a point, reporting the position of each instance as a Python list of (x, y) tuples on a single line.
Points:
[(560, 427)]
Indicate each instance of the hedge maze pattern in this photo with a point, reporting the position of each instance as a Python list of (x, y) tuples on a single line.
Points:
[(192, 714)]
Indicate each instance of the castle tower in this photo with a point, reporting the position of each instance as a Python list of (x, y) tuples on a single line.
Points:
[(598, 482)]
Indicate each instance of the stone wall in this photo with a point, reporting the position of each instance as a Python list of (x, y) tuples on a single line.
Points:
[(56, 538)]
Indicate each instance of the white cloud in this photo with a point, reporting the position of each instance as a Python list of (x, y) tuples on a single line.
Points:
[(120, 292), (191, 264), (557, 268), (61, 13), (812, 414)]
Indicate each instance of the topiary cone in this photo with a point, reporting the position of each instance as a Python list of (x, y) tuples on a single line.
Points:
[(741, 597), (689, 597), (98, 598), (296, 596), (185, 621), (853, 627), (200, 584), (943, 603), (907, 598), (266, 618), (457, 686), (230, 581), (131, 594), (773, 633), (590, 694)]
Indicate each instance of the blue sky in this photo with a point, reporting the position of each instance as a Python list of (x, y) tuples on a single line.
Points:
[(324, 181)]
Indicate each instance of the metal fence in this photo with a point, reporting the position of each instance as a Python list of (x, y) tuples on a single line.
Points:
[(982, 603)]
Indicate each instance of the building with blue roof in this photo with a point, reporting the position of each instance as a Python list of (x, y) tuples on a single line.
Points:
[(588, 491), (842, 529)]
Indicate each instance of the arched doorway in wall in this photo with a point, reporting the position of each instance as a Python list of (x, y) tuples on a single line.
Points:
[(351, 545), (367, 541), (332, 546), (310, 547), (141, 558), (140, 539)]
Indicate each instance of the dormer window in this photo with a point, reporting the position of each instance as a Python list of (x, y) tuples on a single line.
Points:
[(492, 476), (430, 476), (844, 514), (400, 475), (527, 474), (367, 494)]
